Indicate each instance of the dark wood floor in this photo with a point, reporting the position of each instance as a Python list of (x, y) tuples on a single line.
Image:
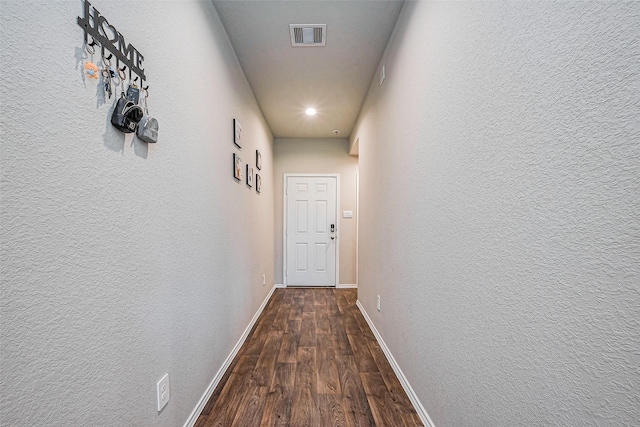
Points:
[(311, 360)]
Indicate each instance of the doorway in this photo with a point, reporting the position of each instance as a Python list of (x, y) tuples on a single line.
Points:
[(311, 232)]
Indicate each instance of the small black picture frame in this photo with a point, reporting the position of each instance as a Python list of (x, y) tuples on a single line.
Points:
[(258, 184), (249, 175), (258, 160), (237, 133), (237, 166)]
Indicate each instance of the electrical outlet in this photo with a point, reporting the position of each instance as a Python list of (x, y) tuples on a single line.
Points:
[(164, 392), (378, 302), (264, 279)]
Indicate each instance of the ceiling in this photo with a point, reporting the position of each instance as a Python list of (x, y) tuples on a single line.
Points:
[(287, 80)]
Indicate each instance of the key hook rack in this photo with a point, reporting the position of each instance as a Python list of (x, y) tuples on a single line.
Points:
[(108, 37)]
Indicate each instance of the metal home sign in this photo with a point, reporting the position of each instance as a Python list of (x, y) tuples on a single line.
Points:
[(104, 33)]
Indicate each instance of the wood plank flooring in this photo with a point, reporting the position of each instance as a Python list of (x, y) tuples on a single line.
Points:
[(311, 360)]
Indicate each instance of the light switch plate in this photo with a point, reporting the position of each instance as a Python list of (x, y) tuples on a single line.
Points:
[(347, 214)]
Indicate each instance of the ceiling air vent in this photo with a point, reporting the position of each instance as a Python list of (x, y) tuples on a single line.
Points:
[(308, 34)]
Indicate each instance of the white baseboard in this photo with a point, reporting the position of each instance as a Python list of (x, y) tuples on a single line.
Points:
[(280, 285), (216, 379), (422, 413), (346, 286)]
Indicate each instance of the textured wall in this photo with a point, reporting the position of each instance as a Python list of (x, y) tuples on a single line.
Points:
[(319, 156), (122, 261), (500, 210)]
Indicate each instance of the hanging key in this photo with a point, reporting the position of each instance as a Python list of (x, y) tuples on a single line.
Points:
[(123, 77), (107, 75), (106, 78)]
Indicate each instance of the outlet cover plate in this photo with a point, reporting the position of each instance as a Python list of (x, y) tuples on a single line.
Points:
[(164, 392)]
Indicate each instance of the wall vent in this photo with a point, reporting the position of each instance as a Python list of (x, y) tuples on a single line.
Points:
[(308, 34)]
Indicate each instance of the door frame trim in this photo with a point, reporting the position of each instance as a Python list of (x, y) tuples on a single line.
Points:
[(284, 220)]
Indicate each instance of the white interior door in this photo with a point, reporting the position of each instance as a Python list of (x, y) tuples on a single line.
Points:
[(311, 235)]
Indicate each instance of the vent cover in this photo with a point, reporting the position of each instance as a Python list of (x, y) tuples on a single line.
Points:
[(308, 34)]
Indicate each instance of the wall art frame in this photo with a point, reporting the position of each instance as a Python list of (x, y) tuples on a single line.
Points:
[(237, 133), (237, 166), (249, 175), (258, 160)]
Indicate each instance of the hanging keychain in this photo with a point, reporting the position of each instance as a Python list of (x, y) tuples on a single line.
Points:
[(126, 114), (91, 69), (107, 75), (123, 77), (148, 127), (133, 93)]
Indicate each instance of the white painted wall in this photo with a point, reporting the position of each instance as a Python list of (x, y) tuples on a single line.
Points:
[(121, 261), (319, 156), (500, 198)]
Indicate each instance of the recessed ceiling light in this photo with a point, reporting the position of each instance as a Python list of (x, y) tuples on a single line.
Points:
[(337, 131), (311, 111)]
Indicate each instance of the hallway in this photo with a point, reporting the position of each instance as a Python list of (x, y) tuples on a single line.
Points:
[(487, 211), (311, 360)]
